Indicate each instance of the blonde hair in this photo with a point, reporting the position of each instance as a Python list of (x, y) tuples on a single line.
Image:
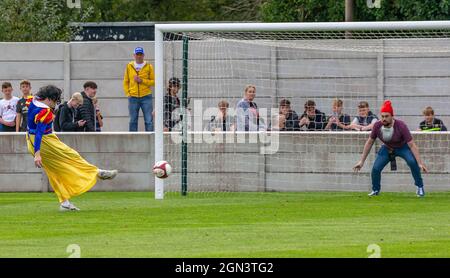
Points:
[(94, 100), (428, 111), (25, 82), (249, 86), (223, 103), (338, 102), (78, 97)]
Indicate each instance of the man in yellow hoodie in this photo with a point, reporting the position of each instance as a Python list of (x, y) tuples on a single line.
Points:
[(138, 78)]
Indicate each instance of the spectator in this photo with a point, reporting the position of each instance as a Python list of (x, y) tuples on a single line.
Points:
[(8, 108), (67, 115), (177, 118), (223, 121), (248, 118), (312, 118), (171, 102), (98, 115), (22, 106), (290, 118), (338, 121), (278, 122), (366, 119), (431, 123), (86, 111), (138, 78)]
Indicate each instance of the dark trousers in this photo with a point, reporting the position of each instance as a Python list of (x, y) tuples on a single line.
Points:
[(4, 128)]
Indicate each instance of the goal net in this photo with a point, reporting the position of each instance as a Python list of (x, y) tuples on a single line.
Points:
[(288, 107)]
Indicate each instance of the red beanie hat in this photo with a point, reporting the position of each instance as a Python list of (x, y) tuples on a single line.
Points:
[(387, 107)]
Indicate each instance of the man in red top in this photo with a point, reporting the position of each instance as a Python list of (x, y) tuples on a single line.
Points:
[(397, 141)]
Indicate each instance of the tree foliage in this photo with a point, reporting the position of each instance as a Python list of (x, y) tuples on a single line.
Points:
[(47, 20), (175, 10), (37, 20), (331, 10)]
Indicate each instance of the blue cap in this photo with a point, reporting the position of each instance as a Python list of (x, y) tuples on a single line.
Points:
[(138, 50)]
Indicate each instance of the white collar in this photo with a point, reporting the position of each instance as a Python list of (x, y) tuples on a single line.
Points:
[(39, 104)]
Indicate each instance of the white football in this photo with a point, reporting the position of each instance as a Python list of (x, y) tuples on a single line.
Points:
[(162, 169)]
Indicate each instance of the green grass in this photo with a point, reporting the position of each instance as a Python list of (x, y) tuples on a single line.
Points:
[(327, 224)]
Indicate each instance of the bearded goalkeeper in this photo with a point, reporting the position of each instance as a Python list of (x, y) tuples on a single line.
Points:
[(397, 141)]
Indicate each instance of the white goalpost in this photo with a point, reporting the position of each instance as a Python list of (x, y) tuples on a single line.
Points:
[(159, 88), (326, 63)]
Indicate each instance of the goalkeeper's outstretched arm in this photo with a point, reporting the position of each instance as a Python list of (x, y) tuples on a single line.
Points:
[(415, 151), (367, 148)]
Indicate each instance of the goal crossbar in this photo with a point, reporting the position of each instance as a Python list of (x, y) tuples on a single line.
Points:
[(304, 26)]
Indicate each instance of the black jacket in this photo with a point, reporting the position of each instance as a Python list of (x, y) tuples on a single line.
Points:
[(316, 123), (365, 121), (170, 104), (87, 112), (292, 122), (343, 118), (437, 125), (67, 118)]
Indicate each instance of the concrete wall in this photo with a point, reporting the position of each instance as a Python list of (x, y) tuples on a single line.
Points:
[(304, 162), (220, 70)]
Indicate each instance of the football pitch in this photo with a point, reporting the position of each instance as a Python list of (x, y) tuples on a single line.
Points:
[(311, 224)]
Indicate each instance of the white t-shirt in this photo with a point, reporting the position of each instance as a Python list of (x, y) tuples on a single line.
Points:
[(8, 109), (138, 67), (387, 132)]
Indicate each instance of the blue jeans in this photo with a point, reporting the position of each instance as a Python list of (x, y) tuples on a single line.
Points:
[(383, 158), (144, 103)]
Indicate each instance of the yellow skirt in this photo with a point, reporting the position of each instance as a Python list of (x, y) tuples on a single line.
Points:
[(68, 173)]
